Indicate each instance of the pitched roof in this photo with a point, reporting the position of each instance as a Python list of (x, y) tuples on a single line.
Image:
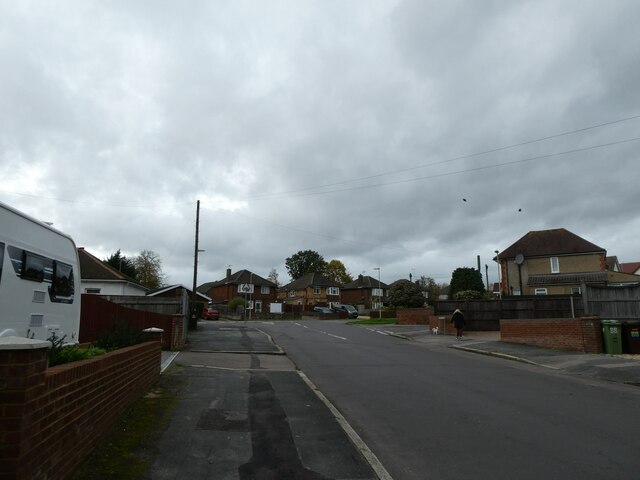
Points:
[(92, 268), (612, 263), (238, 278), (161, 290), (543, 243), (364, 282), (310, 280), (630, 267)]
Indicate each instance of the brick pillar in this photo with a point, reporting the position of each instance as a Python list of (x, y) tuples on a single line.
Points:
[(591, 334), (22, 382)]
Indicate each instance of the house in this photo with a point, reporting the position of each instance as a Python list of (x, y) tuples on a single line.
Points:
[(554, 262), (632, 268), (258, 291), (364, 291), (100, 278), (310, 290), (612, 264)]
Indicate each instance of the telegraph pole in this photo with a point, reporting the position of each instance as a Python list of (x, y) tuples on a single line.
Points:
[(193, 322)]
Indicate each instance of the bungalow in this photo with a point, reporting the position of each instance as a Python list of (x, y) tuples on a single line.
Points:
[(100, 278)]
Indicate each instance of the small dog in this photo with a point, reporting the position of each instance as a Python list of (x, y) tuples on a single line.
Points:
[(434, 330)]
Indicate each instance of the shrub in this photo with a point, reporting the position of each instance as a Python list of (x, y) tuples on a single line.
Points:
[(122, 335), (59, 353)]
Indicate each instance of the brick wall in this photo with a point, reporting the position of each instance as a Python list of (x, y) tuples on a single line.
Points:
[(577, 334), (51, 418), (414, 316)]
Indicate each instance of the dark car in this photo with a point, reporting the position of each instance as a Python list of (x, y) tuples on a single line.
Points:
[(323, 310), (352, 312), (211, 314)]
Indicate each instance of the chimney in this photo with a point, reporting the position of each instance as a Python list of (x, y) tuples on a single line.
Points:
[(360, 279), (228, 274)]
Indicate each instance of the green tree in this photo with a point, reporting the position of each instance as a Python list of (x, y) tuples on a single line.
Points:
[(465, 278), (122, 264), (405, 293), (431, 288), (149, 267), (304, 262), (337, 272)]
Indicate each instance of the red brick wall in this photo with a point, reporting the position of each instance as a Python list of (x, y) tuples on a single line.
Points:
[(414, 316), (52, 418), (575, 334)]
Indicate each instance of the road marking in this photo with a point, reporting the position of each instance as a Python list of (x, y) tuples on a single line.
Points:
[(320, 331), (376, 464)]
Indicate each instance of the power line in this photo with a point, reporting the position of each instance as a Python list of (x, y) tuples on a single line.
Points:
[(474, 169), (462, 157)]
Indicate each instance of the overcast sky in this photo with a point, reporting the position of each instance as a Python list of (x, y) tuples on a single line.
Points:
[(352, 128)]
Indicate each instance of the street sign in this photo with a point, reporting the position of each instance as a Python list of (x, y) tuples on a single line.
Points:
[(245, 288)]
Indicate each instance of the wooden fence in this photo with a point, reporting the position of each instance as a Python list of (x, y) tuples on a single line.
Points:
[(614, 303), (99, 316), (485, 315)]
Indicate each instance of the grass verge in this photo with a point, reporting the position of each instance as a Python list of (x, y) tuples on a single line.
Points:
[(374, 321), (127, 450)]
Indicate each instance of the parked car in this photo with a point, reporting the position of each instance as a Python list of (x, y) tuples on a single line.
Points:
[(323, 310), (211, 314), (352, 312)]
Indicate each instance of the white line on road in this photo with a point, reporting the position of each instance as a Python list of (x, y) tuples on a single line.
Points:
[(320, 331)]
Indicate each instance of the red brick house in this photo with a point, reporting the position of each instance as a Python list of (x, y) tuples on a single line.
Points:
[(364, 291), (310, 290), (255, 289)]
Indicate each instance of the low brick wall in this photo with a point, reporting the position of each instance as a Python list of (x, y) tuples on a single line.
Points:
[(413, 316), (52, 418), (575, 334)]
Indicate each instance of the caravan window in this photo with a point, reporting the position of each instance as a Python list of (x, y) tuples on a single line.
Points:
[(32, 266), (62, 286)]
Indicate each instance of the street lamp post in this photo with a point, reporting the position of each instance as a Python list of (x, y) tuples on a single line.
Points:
[(379, 294)]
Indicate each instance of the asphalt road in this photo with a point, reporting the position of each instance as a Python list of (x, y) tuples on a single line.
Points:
[(431, 412)]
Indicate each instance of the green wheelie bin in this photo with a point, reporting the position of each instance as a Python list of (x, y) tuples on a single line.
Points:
[(612, 336)]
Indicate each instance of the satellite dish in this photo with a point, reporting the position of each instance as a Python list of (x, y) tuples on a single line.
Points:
[(519, 259)]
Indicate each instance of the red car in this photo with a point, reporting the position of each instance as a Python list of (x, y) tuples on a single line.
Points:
[(211, 315)]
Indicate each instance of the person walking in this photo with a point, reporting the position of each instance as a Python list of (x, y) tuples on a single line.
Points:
[(457, 320)]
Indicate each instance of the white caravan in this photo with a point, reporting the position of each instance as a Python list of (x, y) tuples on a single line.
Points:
[(38, 271)]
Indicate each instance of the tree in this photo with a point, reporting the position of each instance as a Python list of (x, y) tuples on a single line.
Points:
[(405, 293), (122, 264), (273, 276), (465, 278), (337, 272), (431, 288), (304, 262), (149, 267)]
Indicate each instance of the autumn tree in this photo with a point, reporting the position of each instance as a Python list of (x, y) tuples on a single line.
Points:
[(274, 277), (122, 264), (304, 262), (337, 272), (149, 267)]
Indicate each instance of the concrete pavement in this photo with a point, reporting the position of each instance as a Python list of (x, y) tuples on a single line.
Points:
[(614, 368)]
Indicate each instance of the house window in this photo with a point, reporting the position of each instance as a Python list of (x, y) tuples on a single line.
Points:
[(555, 265), (541, 291), (333, 291), (265, 290), (258, 306), (316, 290), (377, 292), (576, 290), (292, 293)]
